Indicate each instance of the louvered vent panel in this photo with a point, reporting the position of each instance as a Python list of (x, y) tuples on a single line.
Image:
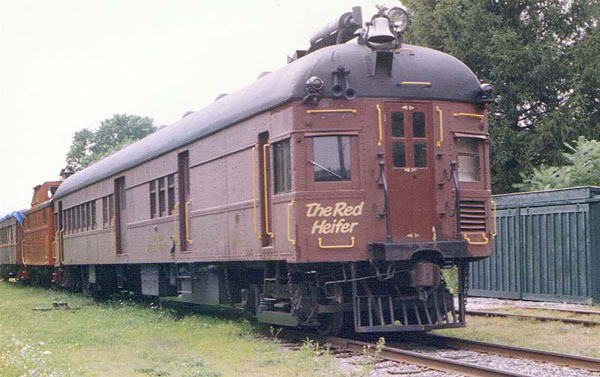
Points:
[(472, 216)]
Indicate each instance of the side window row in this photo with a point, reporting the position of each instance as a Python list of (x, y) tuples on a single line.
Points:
[(80, 218), (7, 236), (162, 196)]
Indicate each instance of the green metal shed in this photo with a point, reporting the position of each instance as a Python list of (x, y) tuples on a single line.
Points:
[(547, 248)]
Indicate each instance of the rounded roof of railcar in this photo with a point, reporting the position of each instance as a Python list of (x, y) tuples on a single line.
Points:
[(450, 80)]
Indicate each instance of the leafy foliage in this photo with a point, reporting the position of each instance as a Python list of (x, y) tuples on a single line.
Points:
[(582, 169), (112, 135), (541, 56)]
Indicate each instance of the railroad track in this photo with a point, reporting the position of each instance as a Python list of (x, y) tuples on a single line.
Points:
[(570, 361), (562, 310), (570, 321), (448, 365)]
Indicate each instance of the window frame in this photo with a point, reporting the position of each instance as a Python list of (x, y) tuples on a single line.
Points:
[(353, 183), (286, 167), (482, 141)]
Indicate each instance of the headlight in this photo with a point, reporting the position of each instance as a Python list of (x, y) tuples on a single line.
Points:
[(399, 17)]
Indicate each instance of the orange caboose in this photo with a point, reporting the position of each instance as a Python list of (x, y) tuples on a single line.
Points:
[(38, 254)]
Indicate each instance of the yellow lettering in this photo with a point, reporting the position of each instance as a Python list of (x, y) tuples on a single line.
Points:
[(312, 209), (339, 206), (358, 210), (348, 211), (318, 226), (345, 228), (325, 212)]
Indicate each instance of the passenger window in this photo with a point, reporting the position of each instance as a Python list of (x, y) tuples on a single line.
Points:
[(468, 160), (332, 158), (283, 166)]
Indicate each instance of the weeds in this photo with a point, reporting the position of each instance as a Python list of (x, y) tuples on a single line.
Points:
[(120, 337)]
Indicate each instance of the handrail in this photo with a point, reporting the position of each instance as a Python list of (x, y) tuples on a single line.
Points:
[(483, 236), (386, 197), (457, 201), (289, 225), (352, 239), (61, 247), (471, 115), (176, 224), (380, 140), (187, 221), (55, 245), (46, 247), (254, 193), (331, 111), (424, 83), (440, 114), (495, 220), (266, 189), (23, 253)]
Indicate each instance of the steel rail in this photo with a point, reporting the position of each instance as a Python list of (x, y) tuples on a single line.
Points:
[(410, 357), (570, 321), (572, 361), (563, 310)]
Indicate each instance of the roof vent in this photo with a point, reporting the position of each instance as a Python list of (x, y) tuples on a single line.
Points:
[(220, 96), (186, 114)]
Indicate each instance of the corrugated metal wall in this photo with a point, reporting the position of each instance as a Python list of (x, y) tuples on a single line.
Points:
[(546, 248)]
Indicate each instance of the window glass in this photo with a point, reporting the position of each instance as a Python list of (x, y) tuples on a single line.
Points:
[(83, 216), (161, 197), (397, 124), (399, 154), (332, 158), (152, 199), (105, 220), (283, 166), (171, 183), (420, 154), (419, 124), (94, 222), (468, 160)]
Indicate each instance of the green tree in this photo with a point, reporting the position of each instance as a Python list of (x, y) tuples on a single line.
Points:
[(113, 134), (541, 56), (582, 169)]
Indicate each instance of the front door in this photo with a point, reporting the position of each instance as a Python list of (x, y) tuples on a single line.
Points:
[(409, 170)]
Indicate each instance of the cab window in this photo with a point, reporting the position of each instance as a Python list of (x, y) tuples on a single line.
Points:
[(468, 159), (332, 158)]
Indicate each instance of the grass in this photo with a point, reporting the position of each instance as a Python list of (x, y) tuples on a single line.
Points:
[(548, 336), (122, 338)]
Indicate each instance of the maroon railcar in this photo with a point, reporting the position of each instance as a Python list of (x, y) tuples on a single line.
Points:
[(332, 191)]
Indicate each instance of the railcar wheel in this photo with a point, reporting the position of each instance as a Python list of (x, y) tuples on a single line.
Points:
[(331, 324)]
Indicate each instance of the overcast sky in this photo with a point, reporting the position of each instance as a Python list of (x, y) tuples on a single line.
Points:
[(66, 65)]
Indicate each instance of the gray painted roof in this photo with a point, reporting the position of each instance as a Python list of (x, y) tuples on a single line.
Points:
[(450, 78)]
